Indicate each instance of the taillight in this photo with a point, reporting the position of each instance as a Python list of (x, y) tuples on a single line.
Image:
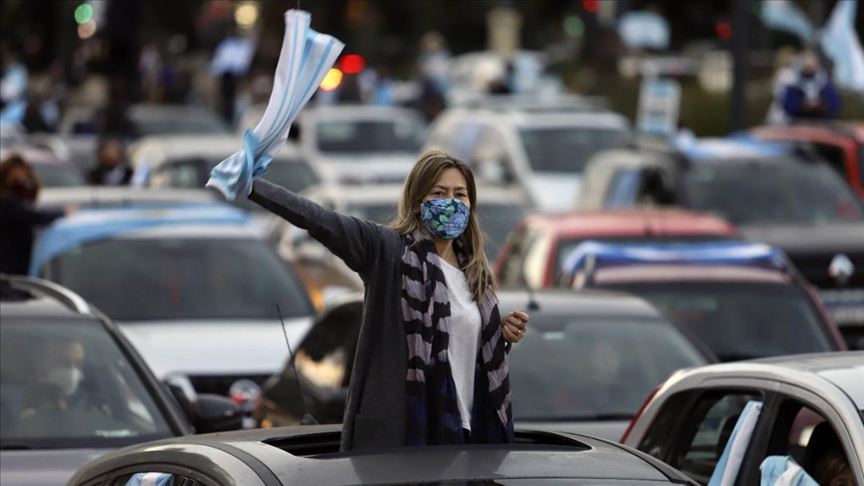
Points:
[(639, 414)]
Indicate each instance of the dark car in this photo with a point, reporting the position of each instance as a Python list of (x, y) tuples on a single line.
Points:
[(776, 194), (587, 362), (741, 299), (310, 456), (73, 387)]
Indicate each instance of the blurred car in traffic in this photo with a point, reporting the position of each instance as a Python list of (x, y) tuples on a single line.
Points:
[(586, 364), (741, 299), (542, 146), (533, 254), (310, 455), (74, 388), (51, 170), (773, 195), (194, 287), (186, 162), (812, 410), (840, 144), (145, 120), (355, 144), (499, 210)]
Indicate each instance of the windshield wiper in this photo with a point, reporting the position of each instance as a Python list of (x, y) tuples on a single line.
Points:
[(578, 418), (15, 447)]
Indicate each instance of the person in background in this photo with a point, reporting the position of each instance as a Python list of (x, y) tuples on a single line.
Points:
[(19, 188), (811, 95), (112, 168), (784, 75)]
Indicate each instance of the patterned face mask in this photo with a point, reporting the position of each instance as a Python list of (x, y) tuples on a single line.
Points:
[(445, 218)]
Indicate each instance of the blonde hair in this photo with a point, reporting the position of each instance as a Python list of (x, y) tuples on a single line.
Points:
[(423, 176)]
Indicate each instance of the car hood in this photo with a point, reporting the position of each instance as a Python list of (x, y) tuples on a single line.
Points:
[(48, 467), (832, 237), (215, 347), (554, 191), (605, 429)]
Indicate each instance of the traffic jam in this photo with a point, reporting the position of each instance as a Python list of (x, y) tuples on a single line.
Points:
[(468, 275)]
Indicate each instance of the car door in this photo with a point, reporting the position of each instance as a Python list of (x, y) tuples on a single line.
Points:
[(692, 428)]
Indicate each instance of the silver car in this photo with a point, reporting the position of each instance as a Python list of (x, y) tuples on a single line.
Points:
[(811, 405)]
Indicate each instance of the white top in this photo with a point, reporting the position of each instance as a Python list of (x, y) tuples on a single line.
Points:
[(464, 333)]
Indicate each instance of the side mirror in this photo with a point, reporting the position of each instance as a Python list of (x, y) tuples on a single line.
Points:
[(217, 414), (207, 412)]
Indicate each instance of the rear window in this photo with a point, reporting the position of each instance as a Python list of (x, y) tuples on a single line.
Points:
[(369, 136), (192, 278), (58, 175), (741, 320)]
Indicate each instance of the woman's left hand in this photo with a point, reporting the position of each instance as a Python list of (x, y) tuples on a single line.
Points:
[(514, 325)]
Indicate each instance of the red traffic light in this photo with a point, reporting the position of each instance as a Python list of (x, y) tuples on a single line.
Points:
[(723, 29), (591, 6), (352, 63)]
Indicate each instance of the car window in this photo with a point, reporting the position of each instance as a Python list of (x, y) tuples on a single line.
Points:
[(182, 278), (802, 433), (834, 155), (590, 367), (741, 320), (65, 382), (369, 136), (58, 175), (185, 173), (567, 149), (327, 353), (497, 221), (785, 192), (511, 267), (622, 189), (154, 477), (705, 431)]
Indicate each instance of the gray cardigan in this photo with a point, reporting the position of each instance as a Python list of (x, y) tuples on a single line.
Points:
[(375, 411)]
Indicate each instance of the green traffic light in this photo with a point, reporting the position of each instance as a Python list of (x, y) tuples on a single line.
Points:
[(84, 13)]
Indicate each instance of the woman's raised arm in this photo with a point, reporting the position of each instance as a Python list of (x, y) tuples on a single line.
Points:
[(353, 240)]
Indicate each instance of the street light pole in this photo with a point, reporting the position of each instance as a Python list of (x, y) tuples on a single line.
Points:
[(738, 110)]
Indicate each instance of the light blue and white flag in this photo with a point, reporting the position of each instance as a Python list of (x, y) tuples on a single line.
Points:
[(304, 61), (783, 471), (786, 16), (841, 43), (726, 470)]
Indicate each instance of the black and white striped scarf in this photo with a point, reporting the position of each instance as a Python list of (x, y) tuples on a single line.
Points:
[(433, 413)]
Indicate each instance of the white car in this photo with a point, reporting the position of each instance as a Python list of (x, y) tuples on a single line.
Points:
[(193, 286), (542, 146), (811, 405), (356, 144)]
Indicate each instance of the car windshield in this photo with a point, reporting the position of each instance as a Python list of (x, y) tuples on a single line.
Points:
[(567, 149), (182, 278), (497, 221), (572, 368), (293, 175), (741, 320), (379, 213), (370, 136), (58, 175), (778, 193), (67, 384)]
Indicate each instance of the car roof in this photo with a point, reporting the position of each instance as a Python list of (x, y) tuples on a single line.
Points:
[(109, 196), (190, 220), (844, 370), (162, 147), (537, 455), (357, 111), (547, 117), (804, 132), (636, 222), (34, 297), (672, 273), (586, 302)]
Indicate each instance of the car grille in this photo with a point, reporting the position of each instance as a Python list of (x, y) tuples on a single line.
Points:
[(220, 384), (814, 267)]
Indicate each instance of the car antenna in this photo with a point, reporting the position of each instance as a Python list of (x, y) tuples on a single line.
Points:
[(308, 418)]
